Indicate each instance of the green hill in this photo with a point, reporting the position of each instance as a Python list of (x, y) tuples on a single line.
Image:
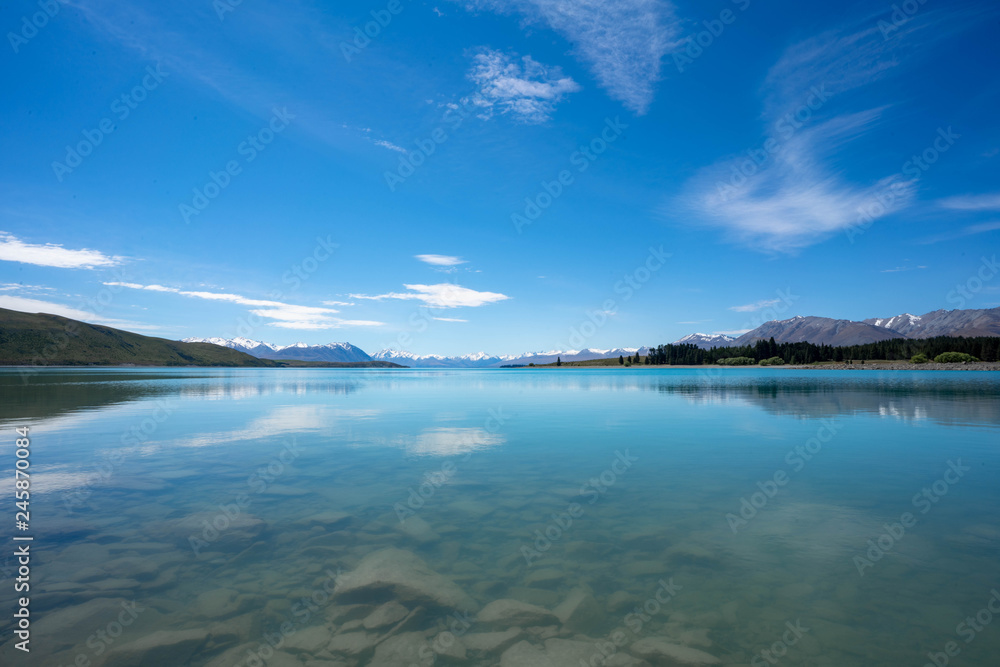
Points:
[(49, 340)]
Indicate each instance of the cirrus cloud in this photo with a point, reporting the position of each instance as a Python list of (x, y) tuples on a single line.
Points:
[(284, 315), (527, 90), (442, 295), (13, 249)]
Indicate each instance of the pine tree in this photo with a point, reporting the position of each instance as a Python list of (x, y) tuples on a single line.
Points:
[(621, 360), (558, 361)]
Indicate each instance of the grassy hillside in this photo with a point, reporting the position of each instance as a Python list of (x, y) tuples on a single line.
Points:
[(50, 340)]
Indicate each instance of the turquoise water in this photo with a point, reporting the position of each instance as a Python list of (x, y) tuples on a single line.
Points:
[(712, 510)]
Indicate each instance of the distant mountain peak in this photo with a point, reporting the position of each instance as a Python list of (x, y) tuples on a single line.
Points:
[(339, 352)]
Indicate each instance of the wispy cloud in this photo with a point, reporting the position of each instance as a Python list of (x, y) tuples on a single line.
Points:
[(13, 249), (527, 90), (443, 295), (987, 202), (970, 230), (389, 145), (793, 196), (622, 41), (757, 305), (733, 332), (448, 319), (27, 305), (283, 315), (440, 260), (902, 268)]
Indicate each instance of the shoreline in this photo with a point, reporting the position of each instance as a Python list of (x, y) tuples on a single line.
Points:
[(872, 366)]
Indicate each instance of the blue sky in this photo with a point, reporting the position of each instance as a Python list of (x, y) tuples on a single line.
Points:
[(495, 175)]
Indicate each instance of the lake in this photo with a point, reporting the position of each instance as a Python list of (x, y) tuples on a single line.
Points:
[(524, 517)]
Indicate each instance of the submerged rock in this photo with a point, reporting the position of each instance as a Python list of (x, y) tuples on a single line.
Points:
[(310, 640), (580, 612), (659, 650), (417, 529), (351, 643), (403, 576), (163, 647), (507, 613), (388, 614), (523, 654), (492, 642), (403, 650)]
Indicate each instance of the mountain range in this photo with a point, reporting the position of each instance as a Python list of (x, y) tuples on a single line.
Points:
[(332, 352), (817, 330)]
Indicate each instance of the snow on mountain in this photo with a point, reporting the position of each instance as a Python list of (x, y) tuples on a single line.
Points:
[(899, 323), (484, 360), (301, 351), (705, 341)]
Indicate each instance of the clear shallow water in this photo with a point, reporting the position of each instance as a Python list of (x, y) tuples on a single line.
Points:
[(632, 480)]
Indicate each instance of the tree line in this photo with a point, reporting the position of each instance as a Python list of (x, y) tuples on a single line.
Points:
[(985, 348)]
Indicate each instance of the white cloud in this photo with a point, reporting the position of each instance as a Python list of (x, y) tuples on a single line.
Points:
[(389, 145), (791, 195), (26, 305), (988, 202), (622, 41), (13, 249), (448, 319), (452, 441), (285, 315), (440, 260), (751, 307), (443, 295), (902, 268), (971, 230), (528, 90), (734, 332)]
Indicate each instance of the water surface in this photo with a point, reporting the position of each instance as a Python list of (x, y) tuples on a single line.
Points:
[(751, 494)]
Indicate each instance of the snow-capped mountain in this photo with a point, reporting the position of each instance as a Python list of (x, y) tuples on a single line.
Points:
[(898, 323), (484, 360), (299, 351), (817, 330), (706, 341), (971, 322)]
